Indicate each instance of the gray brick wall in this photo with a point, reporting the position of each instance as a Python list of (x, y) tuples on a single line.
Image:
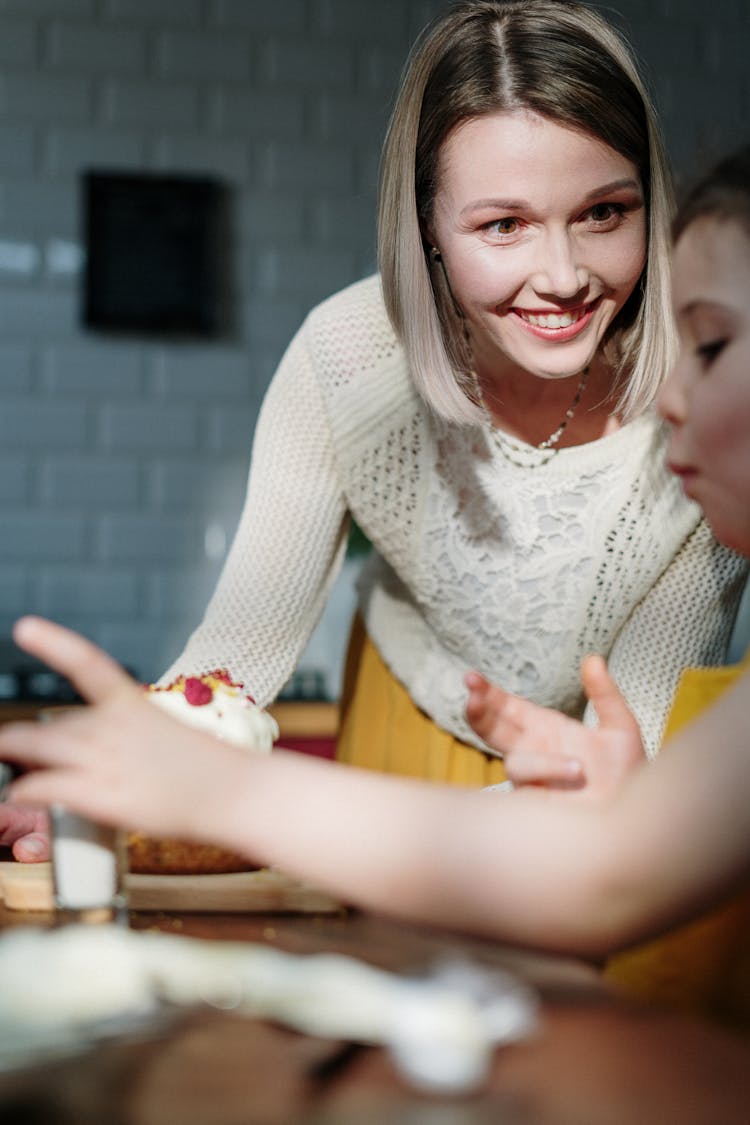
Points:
[(123, 462)]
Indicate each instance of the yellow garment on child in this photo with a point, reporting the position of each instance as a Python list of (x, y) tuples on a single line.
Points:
[(382, 728), (705, 966)]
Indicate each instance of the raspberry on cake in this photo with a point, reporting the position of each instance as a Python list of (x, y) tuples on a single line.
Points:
[(213, 703)]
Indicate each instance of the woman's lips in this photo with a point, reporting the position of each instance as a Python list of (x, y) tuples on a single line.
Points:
[(557, 324)]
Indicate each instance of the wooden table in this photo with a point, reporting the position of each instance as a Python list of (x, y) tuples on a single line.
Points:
[(595, 1060)]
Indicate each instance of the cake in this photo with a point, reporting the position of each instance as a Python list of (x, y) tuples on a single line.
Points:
[(213, 703)]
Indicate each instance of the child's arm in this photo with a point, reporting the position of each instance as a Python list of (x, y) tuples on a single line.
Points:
[(541, 746), (530, 867)]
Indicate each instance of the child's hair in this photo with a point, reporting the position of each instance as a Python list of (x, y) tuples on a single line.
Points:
[(556, 58), (723, 194)]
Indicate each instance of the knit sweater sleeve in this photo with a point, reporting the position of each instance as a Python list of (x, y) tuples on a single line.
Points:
[(685, 620), (289, 543)]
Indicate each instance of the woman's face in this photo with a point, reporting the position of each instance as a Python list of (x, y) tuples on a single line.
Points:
[(542, 230), (706, 399)]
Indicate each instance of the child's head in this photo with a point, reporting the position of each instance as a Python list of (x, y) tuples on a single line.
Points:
[(707, 398)]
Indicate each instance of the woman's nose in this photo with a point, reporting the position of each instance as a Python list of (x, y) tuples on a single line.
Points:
[(558, 272)]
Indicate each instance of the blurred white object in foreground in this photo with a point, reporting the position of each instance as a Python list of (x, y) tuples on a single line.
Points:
[(441, 1028)]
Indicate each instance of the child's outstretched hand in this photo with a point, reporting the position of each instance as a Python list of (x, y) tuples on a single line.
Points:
[(541, 746), (120, 761)]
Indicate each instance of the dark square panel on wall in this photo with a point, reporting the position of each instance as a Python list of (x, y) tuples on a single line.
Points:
[(153, 253)]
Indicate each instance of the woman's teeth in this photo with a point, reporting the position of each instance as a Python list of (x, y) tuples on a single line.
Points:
[(552, 320)]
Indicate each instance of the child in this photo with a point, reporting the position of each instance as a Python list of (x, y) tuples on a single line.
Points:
[(531, 867)]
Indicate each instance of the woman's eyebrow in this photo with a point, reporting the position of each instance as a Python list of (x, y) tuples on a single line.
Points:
[(615, 185), (627, 184), (500, 204)]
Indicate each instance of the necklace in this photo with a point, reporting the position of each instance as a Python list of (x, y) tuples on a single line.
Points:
[(529, 453)]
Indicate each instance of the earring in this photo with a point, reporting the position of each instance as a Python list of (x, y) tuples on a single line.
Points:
[(435, 254)]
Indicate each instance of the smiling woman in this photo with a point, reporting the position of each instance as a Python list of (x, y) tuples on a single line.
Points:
[(541, 232), (483, 410)]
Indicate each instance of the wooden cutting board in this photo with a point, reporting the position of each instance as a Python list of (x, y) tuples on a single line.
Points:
[(28, 886)]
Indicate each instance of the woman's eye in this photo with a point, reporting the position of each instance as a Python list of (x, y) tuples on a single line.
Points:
[(709, 351), (504, 228), (606, 214)]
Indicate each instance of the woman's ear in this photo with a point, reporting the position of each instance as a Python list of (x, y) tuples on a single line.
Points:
[(428, 236), (432, 253)]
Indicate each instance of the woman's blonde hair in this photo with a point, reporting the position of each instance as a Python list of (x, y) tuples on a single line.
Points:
[(563, 61)]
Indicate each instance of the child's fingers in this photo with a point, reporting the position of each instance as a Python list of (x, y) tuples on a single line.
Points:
[(527, 767), (491, 712), (476, 681), (95, 675), (38, 788), (63, 742), (19, 742), (478, 695), (495, 728), (605, 695), (67, 787)]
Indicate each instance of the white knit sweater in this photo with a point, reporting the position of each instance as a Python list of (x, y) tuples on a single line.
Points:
[(479, 563)]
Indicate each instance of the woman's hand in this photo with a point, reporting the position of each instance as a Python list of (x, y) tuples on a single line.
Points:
[(26, 830), (541, 746), (121, 760)]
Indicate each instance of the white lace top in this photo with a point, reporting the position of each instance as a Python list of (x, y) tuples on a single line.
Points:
[(478, 563)]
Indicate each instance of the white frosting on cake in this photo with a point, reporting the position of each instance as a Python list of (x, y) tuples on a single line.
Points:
[(228, 714)]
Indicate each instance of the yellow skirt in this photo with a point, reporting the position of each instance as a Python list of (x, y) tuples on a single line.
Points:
[(703, 967), (382, 729)]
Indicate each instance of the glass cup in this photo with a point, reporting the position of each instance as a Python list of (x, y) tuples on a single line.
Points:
[(88, 865)]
